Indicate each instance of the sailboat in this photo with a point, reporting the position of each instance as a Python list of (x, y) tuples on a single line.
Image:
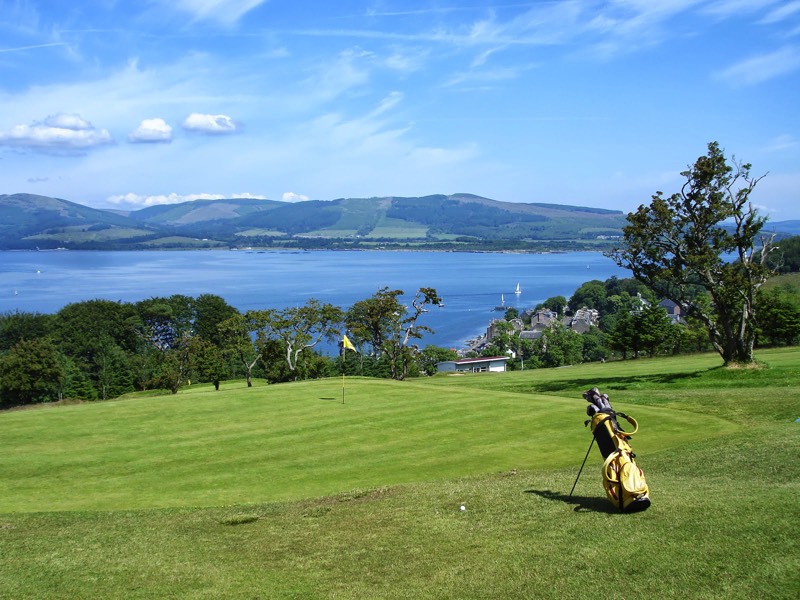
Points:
[(503, 303), (518, 290)]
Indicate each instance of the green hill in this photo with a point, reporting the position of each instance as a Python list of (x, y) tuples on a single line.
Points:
[(447, 222), (455, 220), (28, 221)]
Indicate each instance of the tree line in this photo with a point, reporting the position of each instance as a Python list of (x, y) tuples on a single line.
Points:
[(100, 349)]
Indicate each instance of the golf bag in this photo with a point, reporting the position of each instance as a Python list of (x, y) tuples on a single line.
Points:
[(623, 480)]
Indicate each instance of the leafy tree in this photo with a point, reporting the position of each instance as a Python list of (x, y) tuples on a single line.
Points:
[(779, 316), (111, 370), (239, 334), (593, 345), (79, 326), (30, 372), (176, 364), (207, 361), (301, 328), (386, 324), (622, 337), (504, 339), (99, 336), (18, 326), (209, 311), (653, 328), (165, 320), (786, 258), (684, 242), (557, 304), (591, 294), (558, 346), (75, 384), (431, 355)]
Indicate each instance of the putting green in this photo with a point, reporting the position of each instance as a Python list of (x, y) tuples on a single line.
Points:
[(299, 440)]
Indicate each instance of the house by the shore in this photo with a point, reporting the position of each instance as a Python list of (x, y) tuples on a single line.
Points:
[(484, 364)]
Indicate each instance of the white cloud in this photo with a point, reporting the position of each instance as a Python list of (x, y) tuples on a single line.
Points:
[(137, 200), (64, 121), (210, 124), (152, 131), (292, 197), (764, 67), (59, 133)]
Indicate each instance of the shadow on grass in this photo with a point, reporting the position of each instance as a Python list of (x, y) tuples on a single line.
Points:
[(581, 503), (617, 383)]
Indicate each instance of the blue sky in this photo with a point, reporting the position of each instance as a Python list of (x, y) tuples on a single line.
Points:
[(112, 103)]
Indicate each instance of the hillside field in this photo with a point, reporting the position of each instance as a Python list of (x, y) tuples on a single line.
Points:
[(352, 488)]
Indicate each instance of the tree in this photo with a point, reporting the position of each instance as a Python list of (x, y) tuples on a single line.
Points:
[(237, 333), (31, 372), (504, 339), (779, 316), (697, 247), (165, 320), (557, 304), (558, 346), (593, 345), (99, 336), (653, 328), (387, 326), (18, 326), (207, 361), (209, 311), (302, 328), (787, 258), (591, 294), (432, 355)]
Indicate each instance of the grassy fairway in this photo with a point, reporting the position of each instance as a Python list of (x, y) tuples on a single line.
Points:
[(285, 492), (295, 441)]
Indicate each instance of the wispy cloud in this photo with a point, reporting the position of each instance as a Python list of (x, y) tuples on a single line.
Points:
[(484, 77), (780, 13), (761, 68), (223, 11), (33, 47), (735, 8), (782, 143)]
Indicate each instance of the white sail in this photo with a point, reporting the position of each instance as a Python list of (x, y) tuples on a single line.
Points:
[(518, 290)]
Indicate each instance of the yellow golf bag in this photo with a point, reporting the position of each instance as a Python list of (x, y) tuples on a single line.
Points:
[(623, 480)]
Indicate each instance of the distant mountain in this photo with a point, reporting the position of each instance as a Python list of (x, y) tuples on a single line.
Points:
[(29, 221), (457, 221), (783, 228)]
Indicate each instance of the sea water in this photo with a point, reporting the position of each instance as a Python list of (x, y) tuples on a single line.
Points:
[(472, 285)]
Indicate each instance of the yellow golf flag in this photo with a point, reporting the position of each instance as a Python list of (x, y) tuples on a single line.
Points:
[(348, 345)]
